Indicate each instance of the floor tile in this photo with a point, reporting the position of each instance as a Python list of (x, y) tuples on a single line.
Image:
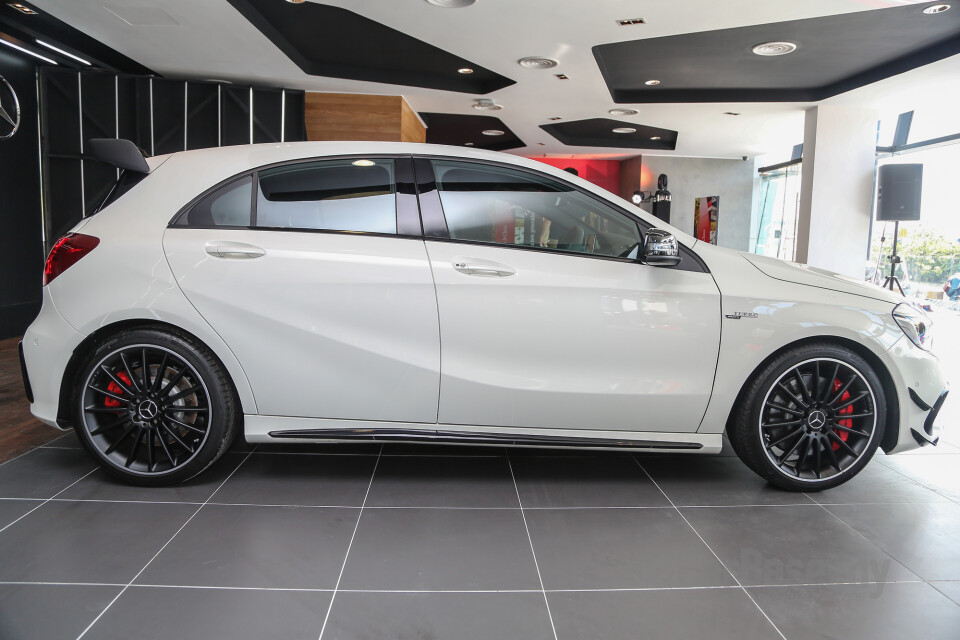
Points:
[(584, 481), (43, 472), (877, 483), (241, 546), (299, 480), (10, 510), (87, 541), (417, 481), (330, 448), (464, 616), (68, 440), (620, 549), (719, 614), (152, 613), (860, 612), (950, 588), (712, 480), (923, 537), (102, 486), (427, 449), (441, 549), (791, 545), (50, 612), (940, 473)]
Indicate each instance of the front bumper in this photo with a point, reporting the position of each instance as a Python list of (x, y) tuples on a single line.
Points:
[(921, 392), (929, 429)]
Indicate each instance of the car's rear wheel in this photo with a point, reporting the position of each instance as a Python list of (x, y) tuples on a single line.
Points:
[(811, 418), (154, 407)]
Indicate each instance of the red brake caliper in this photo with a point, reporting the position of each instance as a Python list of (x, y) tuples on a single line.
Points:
[(849, 409), (114, 388)]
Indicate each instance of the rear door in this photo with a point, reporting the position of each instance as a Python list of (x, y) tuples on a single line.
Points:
[(546, 317), (315, 274)]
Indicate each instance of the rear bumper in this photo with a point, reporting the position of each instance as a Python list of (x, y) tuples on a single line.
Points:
[(24, 374)]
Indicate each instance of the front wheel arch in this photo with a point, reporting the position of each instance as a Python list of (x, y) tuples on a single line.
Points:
[(92, 342), (892, 430)]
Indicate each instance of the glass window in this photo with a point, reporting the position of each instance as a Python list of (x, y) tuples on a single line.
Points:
[(493, 204), (228, 206), (334, 195)]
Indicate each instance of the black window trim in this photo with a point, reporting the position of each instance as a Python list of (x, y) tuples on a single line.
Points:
[(426, 179), (408, 214)]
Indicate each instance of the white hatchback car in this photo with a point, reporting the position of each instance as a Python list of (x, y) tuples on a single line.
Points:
[(386, 291)]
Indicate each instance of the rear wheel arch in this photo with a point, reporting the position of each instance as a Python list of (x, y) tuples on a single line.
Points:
[(892, 428), (92, 342)]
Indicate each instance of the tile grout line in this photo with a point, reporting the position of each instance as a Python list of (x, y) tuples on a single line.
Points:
[(942, 592), (697, 533), (17, 457), (346, 556), (533, 551), (47, 500), (165, 545), (919, 484)]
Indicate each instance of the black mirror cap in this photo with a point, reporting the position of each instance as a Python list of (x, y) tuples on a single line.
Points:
[(660, 249)]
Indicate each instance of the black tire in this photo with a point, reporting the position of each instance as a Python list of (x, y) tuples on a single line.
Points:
[(791, 426), (158, 424)]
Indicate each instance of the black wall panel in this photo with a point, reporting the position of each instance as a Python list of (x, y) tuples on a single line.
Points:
[(169, 105), (21, 243), (203, 115), (295, 125), (99, 118), (267, 115), (234, 115), (133, 110), (60, 93)]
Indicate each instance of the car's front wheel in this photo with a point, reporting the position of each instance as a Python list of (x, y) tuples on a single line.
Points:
[(154, 407), (811, 418)]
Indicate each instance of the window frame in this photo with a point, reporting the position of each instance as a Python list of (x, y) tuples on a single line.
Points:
[(409, 225), (432, 213)]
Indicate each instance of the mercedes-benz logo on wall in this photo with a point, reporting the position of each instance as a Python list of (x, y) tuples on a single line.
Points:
[(9, 110)]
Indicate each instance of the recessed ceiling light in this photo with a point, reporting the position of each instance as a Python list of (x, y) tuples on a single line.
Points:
[(492, 132), (62, 52), (536, 62), (22, 8), (562, 76), (363, 163), (26, 51), (652, 83), (623, 112), (654, 137), (484, 104), (730, 113), (296, 1), (624, 130), (542, 144), (936, 8), (774, 48), (451, 4), (468, 144), (554, 118), (465, 71), (626, 22)]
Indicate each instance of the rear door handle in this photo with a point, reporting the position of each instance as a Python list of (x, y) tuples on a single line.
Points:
[(483, 268), (233, 250)]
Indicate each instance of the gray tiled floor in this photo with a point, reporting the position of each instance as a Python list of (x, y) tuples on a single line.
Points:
[(461, 542)]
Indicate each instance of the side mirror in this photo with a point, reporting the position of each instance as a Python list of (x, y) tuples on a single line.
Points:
[(660, 249)]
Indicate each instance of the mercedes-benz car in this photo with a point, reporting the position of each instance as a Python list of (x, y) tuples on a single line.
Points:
[(355, 291)]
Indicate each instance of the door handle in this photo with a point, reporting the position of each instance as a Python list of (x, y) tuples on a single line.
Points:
[(484, 269), (233, 250)]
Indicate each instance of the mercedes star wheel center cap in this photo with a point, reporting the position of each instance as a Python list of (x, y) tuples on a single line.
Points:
[(817, 420)]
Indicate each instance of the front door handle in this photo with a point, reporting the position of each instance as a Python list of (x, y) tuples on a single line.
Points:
[(233, 250), (483, 268)]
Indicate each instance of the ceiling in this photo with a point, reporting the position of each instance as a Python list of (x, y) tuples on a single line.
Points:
[(212, 39)]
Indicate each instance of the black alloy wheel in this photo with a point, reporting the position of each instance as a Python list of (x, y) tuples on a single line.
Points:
[(810, 423), (155, 411)]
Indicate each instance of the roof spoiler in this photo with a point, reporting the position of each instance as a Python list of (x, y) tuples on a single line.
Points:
[(123, 154)]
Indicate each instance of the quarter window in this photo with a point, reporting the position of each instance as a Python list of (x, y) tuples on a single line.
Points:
[(485, 203), (228, 206), (335, 195)]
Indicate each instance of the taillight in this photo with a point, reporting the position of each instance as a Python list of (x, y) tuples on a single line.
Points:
[(66, 252)]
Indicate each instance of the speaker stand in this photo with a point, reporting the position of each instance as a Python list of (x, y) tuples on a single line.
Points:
[(892, 279)]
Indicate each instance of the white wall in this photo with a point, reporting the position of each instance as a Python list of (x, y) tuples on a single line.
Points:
[(692, 178)]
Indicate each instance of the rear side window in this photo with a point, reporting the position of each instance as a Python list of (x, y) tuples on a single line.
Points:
[(335, 195), (228, 206)]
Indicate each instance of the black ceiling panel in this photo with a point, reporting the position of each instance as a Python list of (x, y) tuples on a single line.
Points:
[(458, 130), (834, 54), (337, 43), (598, 132)]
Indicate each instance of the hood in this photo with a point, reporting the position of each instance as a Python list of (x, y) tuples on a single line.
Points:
[(814, 277)]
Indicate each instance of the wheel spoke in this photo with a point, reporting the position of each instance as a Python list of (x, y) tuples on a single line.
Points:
[(159, 378), (804, 452), (788, 423), (816, 380), (862, 434), (851, 416), (174, 380), (126, 366), (778, 407), (185, 425), (840, 392), (184, 409), (108, 394), (851, 401), (803, 387), (112, 425), (117, 381), (784, 438), (144, 369), (104, 409), (833, 458), (184, 393), (843, 445), (163, 444), (173, 434), (817, 447), (136, 447), (829, 384), (782, 459), (116, 443), (795, 399)]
